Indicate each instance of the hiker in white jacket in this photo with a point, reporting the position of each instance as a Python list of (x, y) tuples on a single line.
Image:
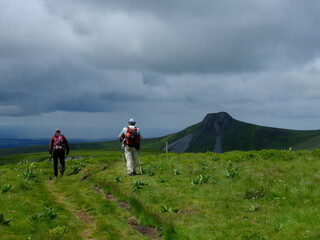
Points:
[(130, 137)]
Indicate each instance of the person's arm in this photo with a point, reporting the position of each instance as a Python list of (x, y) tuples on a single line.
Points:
[(67, 145), (122, 135), (51, 146), (139, 134)]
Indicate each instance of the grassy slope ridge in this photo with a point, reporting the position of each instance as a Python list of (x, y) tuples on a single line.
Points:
[(255, 137), (160, 143), (311, 144), (268, 194)]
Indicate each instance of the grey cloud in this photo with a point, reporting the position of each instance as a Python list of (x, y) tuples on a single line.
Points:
[(128, 94), (217, 37), (8, 97), (153, 80), (166, 57)]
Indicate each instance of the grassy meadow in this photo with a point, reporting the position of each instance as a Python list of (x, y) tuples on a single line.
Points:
[(268, 194)]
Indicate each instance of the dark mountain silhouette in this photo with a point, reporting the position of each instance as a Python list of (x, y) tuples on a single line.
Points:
[(219, 132)]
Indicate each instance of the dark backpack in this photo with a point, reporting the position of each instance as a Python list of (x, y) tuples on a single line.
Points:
[(132, 137), (58, 142)]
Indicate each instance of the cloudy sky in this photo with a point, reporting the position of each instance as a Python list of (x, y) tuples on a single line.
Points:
[(88, 66)]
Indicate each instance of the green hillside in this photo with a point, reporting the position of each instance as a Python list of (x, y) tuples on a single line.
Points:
[(236, 135), (268, 194), (244, 136), (313, 143)]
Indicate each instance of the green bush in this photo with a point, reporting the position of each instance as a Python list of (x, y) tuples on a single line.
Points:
[(76, 166), (58, 232), (200, 179), (31, 173), (176, 172), (254, 207), (4, 221), (48, 213), (138, 185), (117, 179), (232, 170), (166, 209), (6, 188)]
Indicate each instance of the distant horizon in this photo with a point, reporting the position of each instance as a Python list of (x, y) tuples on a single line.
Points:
[(21, 132), (98, 133)]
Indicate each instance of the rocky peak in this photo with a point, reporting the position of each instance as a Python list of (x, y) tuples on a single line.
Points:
[(218, 121), (211, 128)]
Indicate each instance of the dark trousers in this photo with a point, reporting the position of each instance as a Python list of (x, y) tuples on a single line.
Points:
[(58, 155)]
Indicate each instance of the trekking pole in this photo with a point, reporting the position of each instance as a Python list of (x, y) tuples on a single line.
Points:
[(139, 163), (167, 151), (124, 163), (123, 159)]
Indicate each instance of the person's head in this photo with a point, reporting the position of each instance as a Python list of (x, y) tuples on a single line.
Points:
[(57, 131), (132, 122)]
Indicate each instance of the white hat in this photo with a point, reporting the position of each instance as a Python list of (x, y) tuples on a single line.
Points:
[(132, 121)]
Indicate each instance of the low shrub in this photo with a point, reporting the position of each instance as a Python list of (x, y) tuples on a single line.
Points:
[(48, 213), (232, 170), (138, 185), (6, 188), (31, 173), (200, 179)]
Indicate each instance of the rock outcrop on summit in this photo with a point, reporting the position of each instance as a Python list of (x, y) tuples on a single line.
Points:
[(213, 124)]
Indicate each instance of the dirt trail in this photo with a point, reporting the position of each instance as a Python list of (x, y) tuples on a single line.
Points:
[(151, 232), (87, 220)]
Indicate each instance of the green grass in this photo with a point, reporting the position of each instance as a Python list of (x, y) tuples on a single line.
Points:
[(246, 137), (268, 194)]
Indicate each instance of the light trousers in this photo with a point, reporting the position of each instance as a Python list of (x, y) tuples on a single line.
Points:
[(132, 158)]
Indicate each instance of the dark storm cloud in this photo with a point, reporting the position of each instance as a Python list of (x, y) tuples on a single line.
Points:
[(165, 57), (197, 36)]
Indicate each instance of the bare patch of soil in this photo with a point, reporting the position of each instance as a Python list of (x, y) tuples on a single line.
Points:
[(151, 232), (84, 217), (186, 211), (110, 197), (123, 204)]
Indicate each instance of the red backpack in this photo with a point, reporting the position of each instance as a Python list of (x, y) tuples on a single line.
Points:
[(58, 142), (132, 137)]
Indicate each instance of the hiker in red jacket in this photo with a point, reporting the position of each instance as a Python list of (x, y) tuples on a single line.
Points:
[(58, 149), (130, 138)]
